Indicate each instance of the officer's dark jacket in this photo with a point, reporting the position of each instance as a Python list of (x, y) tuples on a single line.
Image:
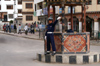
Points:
[(70, 31), (50, 27)]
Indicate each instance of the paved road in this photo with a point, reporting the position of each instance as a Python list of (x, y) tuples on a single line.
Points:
[(15, 51)]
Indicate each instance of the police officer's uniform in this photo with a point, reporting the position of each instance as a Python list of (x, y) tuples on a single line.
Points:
[(50, 36)]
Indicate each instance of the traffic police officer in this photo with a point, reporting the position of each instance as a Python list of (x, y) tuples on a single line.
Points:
[(50, 36)]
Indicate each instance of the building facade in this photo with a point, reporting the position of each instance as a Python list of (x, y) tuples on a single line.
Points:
[(28, 12), (10, 10)]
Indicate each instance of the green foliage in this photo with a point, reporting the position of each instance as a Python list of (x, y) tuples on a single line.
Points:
[(11, 22)]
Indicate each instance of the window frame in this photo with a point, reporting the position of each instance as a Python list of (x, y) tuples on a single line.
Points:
[(28, 7), (11, 17), (19, 2), (35, 7), (19, 11), (28, 18), (89, 3), (98, 1), (9, 5)]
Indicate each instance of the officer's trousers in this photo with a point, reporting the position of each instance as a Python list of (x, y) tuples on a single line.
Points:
[(50, 40)]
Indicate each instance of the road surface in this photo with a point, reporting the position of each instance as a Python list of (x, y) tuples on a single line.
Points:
[(17, 51)]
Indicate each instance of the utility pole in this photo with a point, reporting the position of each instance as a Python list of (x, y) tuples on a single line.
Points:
[(14, 12), (15, 21)]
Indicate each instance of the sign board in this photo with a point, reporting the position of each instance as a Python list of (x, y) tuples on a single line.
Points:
[(60, 10), (41, 26)]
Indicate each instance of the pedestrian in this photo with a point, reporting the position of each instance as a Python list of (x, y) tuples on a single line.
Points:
[(50, 36), (26, 29), (19, 27), (4, 27), (15, 28), (32, 28), (9, 28)]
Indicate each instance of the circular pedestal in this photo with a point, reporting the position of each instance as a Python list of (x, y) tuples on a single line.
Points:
[(92, 57)]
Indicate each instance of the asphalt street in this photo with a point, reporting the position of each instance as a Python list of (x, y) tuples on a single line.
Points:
[(17, 51)]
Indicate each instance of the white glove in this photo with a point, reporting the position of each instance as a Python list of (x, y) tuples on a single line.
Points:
[(45, 37), (58, 18)]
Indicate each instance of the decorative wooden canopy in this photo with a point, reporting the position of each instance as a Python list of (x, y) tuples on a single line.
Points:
[(68, 1), (71, 3)]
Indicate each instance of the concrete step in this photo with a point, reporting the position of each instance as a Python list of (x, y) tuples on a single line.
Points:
[(92, 57)]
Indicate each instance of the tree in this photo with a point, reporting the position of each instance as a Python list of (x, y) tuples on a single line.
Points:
[(11, 22)]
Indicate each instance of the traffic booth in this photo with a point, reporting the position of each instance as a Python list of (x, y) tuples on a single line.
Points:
[(71, 47)]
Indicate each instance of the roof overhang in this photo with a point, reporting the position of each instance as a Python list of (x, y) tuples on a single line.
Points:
[(67, 2)]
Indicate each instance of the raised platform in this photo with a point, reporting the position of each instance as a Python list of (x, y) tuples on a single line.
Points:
[(92, 57), (71, 43)]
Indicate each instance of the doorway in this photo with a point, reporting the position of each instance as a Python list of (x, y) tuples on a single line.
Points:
[(89, 25), (5, 17)]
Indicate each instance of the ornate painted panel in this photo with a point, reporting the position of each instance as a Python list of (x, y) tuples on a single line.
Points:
[(74, 43)]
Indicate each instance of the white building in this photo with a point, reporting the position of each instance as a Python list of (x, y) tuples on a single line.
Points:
[(38, 7), (10, 9)]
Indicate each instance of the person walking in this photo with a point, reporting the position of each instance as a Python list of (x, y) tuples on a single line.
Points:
[(15, 28), (26, 29), (19, 27), (9, 28), (29, 29), (50, 36), (4, 27), (32, 28)]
